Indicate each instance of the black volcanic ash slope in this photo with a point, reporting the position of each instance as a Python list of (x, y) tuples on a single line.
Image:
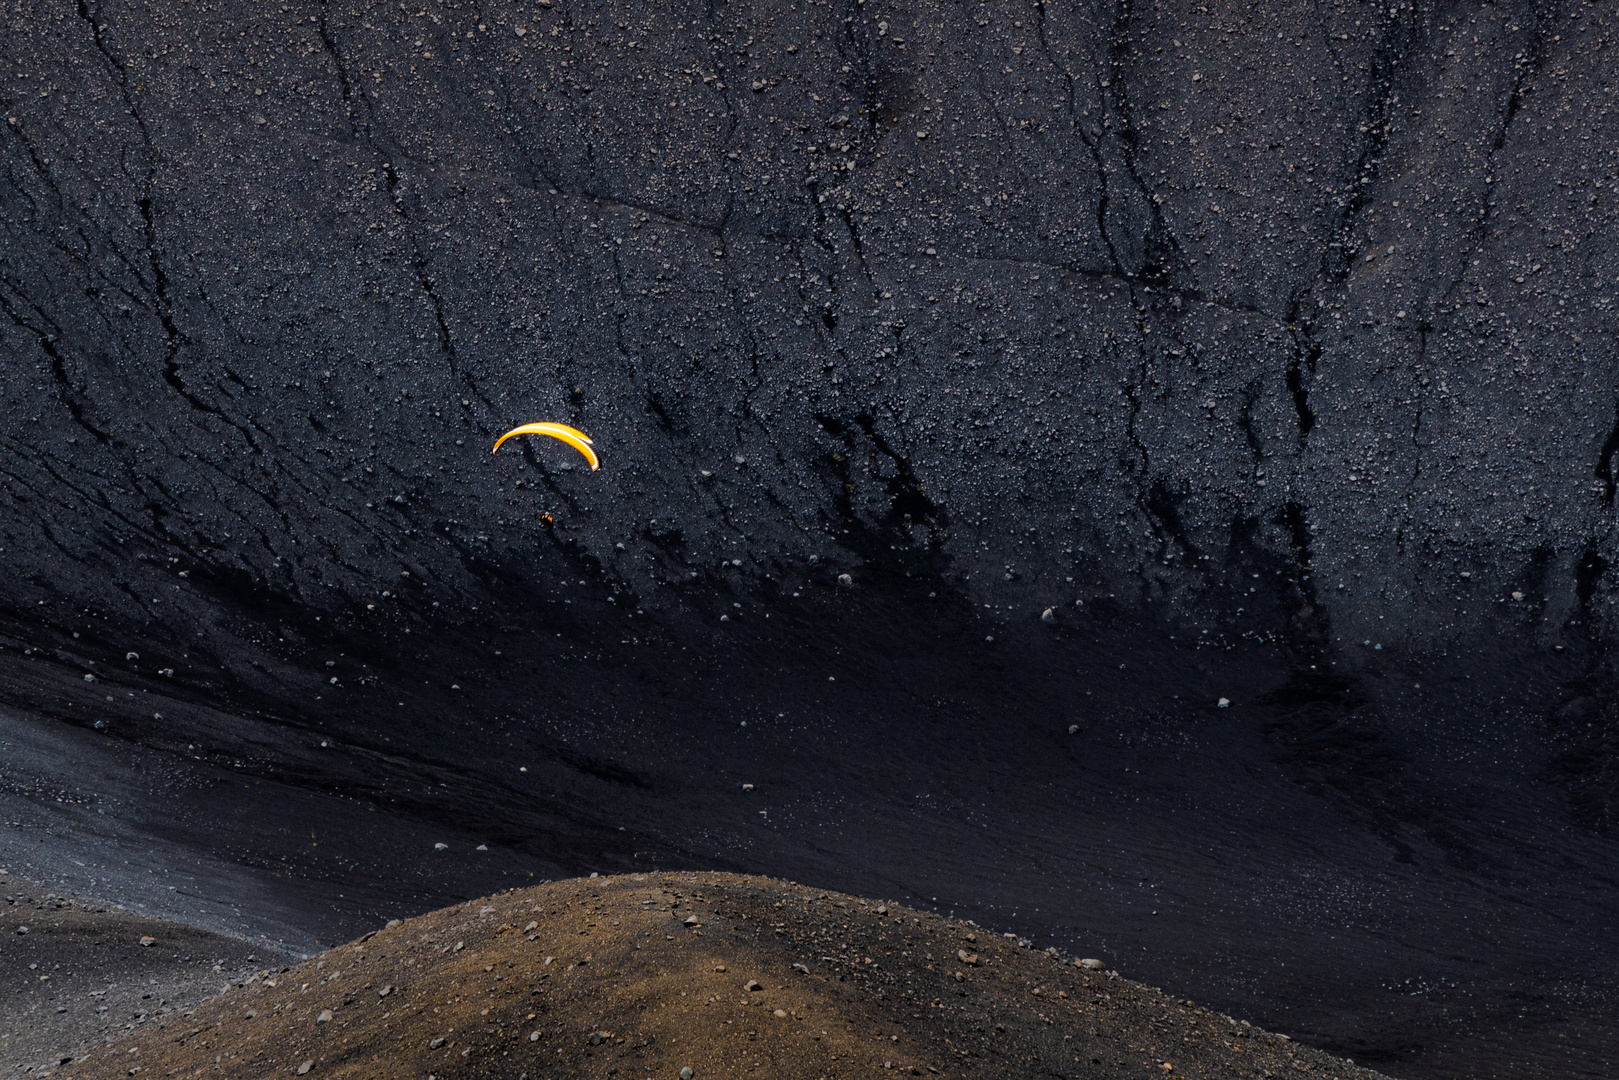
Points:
[(1059, 304)]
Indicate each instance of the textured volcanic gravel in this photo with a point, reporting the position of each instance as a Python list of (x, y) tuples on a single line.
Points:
[(79, 975), (725, 975)]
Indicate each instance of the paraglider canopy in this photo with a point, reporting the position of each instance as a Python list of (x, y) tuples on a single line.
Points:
[(572, 436)]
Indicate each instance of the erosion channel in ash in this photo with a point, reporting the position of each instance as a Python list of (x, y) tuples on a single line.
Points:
[(1137, 477)]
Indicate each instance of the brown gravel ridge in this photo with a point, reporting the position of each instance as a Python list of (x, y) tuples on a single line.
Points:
[(720, 974)]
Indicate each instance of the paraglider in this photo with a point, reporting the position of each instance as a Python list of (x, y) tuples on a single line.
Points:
[(572, 436)]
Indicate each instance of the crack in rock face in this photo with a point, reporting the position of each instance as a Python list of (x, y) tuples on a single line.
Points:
[(1269, 351)]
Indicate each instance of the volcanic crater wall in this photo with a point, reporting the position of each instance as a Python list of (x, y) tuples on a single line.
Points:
[(1292, 319), (1126, 358)]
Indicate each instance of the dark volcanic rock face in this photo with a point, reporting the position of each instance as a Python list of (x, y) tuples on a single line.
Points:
[(1270, 348), (1152, 298)]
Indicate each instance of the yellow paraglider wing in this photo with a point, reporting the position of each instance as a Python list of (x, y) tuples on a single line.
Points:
[(572, 436)]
